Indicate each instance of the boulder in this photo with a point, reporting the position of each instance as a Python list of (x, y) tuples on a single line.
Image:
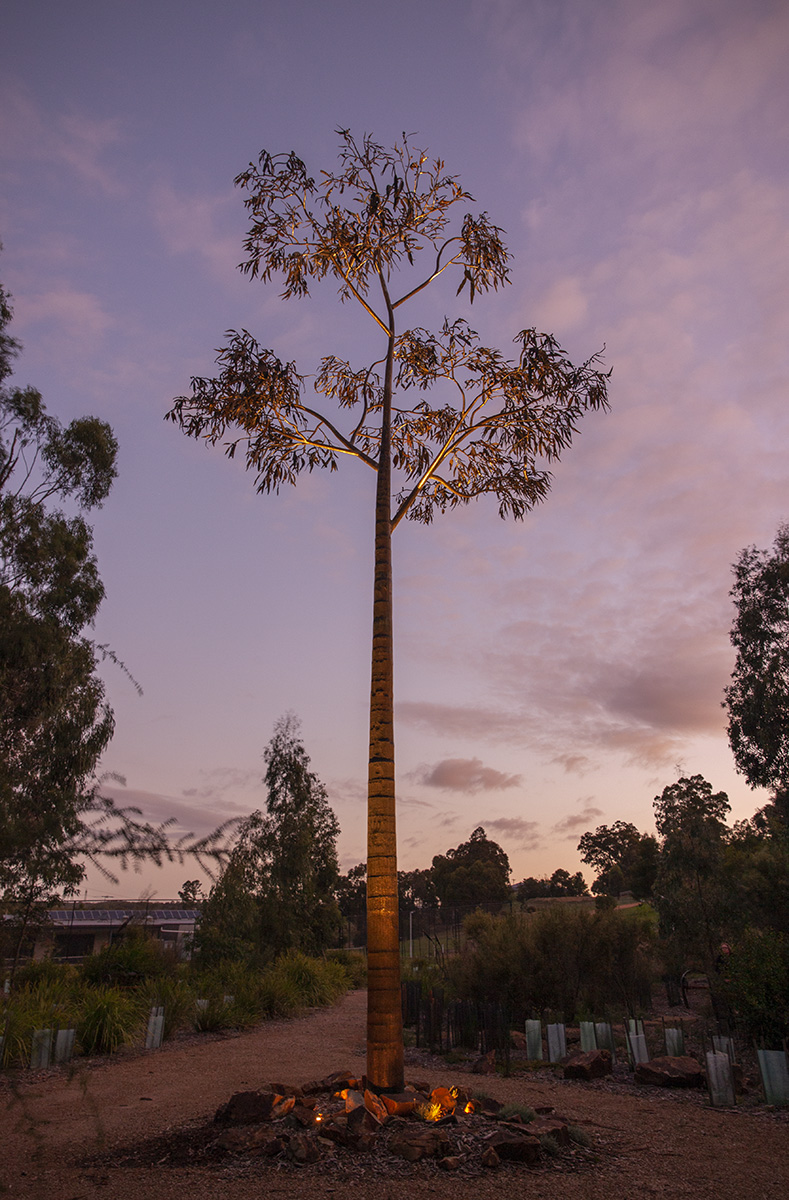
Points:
[(486, 1065), (248, 1108), (679, 1071), (588, 1065), (515, 1147), (303, 1149), (552, 1127), (490, 1158), (361, 1120), (413, 1144)]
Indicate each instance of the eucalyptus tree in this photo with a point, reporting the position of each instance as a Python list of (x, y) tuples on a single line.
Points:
[(493, 430), (757, 699), (55, 722)]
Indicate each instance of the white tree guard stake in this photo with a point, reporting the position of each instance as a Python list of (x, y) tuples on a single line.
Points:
[(41, 1049), (720, 1080), (723, 1045), (588, 1035), (604, 1035), (534, 1040), (637, 1046), (774, 1070), (64, 1045), (675, 1041), (153, 1037), (557, 1042)]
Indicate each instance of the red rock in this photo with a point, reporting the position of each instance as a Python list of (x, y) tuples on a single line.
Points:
[(303, 1149), (486, 1065), (285, 1089), (515, 1147), (490, 1158), (413, 1144), (551, 1126), (361, 1120), (588, 1065), (247, 1108), (679, 1071), (450, 1163)]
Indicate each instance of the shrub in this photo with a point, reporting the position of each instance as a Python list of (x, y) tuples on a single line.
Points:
[(757, 986), (353, 962), (317, 982), (178, 999), (523, 1111), (564, 960), (129, 961), (110, 1018), (45, 971)]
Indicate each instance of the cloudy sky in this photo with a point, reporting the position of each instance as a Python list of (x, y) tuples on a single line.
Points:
[(551, 675)]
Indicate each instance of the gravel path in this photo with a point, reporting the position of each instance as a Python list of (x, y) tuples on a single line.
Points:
[(650, 1144)]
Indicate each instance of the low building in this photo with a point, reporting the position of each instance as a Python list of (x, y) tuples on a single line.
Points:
[(75, 932)]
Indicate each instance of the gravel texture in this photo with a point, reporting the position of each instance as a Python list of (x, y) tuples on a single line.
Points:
[(65, 1134)]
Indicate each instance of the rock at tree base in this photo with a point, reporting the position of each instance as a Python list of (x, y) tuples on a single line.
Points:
[(515, 1147), (303, 1149), (679, 1071), (413, 1144), (247, 1108), (552, 1126), (490, 1158), (588, 1065)]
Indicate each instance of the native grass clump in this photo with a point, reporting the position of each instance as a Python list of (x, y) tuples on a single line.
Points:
[(109, 1015)]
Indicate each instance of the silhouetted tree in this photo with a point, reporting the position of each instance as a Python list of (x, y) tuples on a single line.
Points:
[(494, 429), (278, 890), (757, 699), (625, 860), (477, 872)]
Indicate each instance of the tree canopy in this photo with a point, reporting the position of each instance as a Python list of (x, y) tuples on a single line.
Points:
[(757, 699), (277, 891), (625, 860), (476, 872), (55, 722)]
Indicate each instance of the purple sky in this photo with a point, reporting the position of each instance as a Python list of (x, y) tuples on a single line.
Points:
[(551, 675)]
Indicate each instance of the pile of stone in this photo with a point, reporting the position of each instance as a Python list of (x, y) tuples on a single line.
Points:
[(339, 1115)]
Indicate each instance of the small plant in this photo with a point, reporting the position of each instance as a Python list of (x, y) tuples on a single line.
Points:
[(522, 1111), (550, 1146), (579, 1135), (129, 961), (214, 1016), (177, 998), (110, 1018), (353, 962)]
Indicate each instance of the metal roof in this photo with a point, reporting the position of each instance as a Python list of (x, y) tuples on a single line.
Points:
[(118, 916)]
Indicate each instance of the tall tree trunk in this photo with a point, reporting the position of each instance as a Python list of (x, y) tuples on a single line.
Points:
[(384, 1015)]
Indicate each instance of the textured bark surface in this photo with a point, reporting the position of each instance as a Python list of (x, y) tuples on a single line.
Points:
[(384, 1021)]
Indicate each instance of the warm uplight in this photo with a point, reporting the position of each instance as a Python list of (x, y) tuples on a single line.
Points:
[(432, 1111), (469, 1107)]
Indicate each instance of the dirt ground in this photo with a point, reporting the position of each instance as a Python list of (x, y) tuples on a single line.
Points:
[(648, 1143)]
